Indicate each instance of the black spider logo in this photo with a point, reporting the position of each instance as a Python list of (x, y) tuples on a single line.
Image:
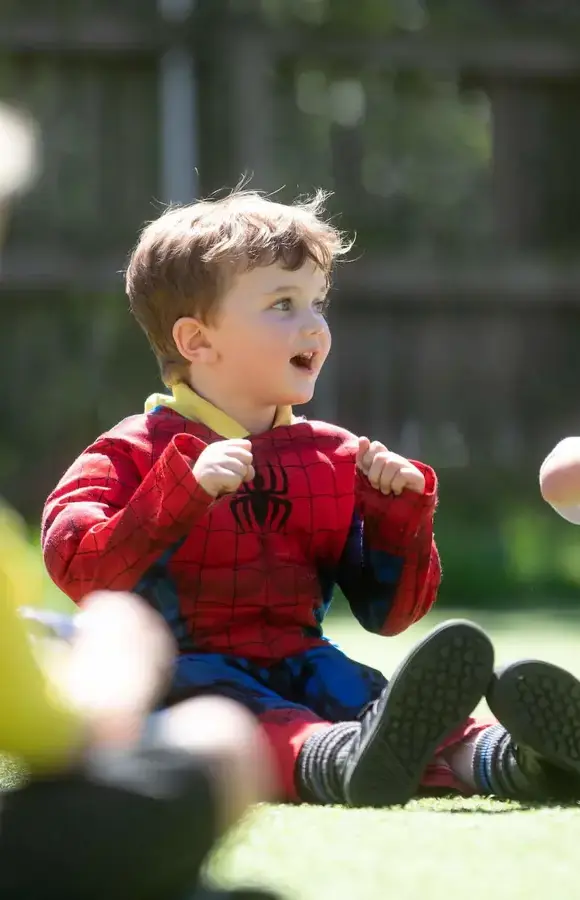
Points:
[(262, 502)]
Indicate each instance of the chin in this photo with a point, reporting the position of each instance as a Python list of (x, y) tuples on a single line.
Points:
[(294, 394), (296, 398)]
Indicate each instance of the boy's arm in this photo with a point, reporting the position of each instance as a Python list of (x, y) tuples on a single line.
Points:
[(560, 479), (105, 524), (390, 570)]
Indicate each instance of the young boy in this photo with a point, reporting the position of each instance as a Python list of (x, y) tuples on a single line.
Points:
[(236, 519)]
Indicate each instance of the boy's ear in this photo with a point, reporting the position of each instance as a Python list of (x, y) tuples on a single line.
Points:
[(191, 340)]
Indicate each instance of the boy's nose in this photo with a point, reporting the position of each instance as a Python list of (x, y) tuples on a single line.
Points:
[(312, 324)]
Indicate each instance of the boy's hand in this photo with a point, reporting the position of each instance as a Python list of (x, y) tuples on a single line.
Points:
[(386, 471), (222, 467)]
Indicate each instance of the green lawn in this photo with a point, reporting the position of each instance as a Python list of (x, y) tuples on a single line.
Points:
[(435, 849)]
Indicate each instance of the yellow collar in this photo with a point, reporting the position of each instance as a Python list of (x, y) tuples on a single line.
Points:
[(187, 403)]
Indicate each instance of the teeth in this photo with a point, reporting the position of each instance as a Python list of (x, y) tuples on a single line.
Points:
[(304, 358)]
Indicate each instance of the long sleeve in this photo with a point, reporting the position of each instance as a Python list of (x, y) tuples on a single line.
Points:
[(107, 521), (390, 569)]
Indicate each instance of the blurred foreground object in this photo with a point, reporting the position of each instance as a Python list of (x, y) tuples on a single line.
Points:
[(19, 157), (121, 805), (56, 696), (36, 724), (560, 479)]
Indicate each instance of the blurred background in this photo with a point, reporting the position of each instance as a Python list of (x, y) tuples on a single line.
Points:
[(449, 132)]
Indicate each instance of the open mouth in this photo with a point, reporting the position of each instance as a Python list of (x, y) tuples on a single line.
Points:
[(304, 361)]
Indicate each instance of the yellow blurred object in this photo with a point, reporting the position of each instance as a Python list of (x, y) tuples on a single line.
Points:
[(21, 575), (36, 725)]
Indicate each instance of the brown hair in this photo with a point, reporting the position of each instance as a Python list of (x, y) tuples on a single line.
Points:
[(185, 259)]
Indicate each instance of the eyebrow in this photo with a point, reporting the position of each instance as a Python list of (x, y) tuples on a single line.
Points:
[(284, 288)]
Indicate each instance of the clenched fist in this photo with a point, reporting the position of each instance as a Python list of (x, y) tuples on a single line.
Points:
[(386, 471), (222, 467)]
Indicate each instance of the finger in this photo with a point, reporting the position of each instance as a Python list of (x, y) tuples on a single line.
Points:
[(363, 446), (238, 442), (374, 473), (386, 481), (415, 481), (374, 448), (399, 482), (233, 466), (240, 453), (250, 474)]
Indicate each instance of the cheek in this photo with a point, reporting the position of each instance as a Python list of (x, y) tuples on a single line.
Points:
[(275, 343), (239, 345), (255, 352)]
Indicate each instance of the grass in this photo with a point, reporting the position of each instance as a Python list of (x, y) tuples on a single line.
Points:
[(433, 849)]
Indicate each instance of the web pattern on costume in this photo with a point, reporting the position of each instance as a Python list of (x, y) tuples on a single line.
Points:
[(250, 574)]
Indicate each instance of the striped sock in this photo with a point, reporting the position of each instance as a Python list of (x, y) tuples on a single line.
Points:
[(505, 770), (321, 763)]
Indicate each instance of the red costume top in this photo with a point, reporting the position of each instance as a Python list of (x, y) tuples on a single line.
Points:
[(250, 574)]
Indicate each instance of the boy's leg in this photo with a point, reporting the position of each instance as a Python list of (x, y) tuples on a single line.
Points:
[(534, 753), (531, 749), (450, 770), (381, 758), (378, 760), (340, 689), (285, 725)]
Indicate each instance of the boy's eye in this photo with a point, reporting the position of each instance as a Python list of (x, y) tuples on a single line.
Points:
[(284, 303)]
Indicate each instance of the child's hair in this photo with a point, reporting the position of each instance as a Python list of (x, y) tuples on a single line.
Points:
[(186, 259)]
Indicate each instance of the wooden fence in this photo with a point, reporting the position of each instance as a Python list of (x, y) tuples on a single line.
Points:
[(456, 336)]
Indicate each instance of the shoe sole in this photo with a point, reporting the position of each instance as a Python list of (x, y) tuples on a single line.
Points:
[(434, 690), (539, 705)]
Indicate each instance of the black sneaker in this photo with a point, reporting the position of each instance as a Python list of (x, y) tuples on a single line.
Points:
[(433, 691), (539, 705)]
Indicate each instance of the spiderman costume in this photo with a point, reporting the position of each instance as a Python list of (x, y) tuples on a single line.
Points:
[(245, 581)]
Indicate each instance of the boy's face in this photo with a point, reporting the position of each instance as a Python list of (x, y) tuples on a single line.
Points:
[(271, 338)]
